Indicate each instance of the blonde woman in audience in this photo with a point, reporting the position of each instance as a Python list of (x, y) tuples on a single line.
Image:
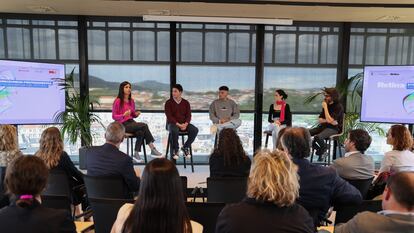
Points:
[(270, 205), (56, 159), (160, 205), (9, 148), (400, 158)]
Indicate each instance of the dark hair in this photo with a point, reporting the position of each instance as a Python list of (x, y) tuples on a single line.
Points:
[(178, 87), (402, 187), (401, 138), (279, 145), (333, 93), (160, 206), (121, 92), (360, 138), (224, 88), (230, 147), (282, 93), (26, 175), (297, 142)]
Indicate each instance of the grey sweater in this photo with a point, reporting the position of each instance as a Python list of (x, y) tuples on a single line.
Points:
[(220, 109)]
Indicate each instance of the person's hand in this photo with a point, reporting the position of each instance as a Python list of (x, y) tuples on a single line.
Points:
[(324, 104), (321, 120), (334, 123), (184, 126), (127, 113), (277, 122), (137, 113)]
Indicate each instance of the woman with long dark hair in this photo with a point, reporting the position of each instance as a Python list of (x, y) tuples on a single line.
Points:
[(160, 206), (123, 111), (279, 115), (229, 158)]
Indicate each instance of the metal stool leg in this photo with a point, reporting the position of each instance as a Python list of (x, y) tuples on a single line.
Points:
[(192, 161), (144, 150), (182, 140), (267, 141)]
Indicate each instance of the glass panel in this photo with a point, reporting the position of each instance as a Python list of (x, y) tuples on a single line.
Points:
[(239, 27), (163, 44), (383, 30), (18, 40), (150, 84), (2, 52), (215, 49), (43, 22), (309, 29), (397, 30), (268, 48), (308, 49), (98, 24), (163, 25), (285, 28), (191, 26), (356, 49), (285, 45), (357, 29), (201, 84), (329, 49), (119, 45), (68, 23), (96, 45), (122, 25), (375, 50), (398, 50), (44, 46), (412, 51), (239, 45), (17, 21), (253, 47), (191, 46), (216, 26), (144, 45), (143, 25), (68, 44)]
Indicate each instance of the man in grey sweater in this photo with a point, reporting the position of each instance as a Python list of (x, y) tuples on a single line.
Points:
[(224, 112), (398, 210)]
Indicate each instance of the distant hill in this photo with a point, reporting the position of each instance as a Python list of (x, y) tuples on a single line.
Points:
[(146, 85)]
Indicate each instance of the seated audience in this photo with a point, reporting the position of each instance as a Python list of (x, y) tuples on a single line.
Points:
[(400, 158), (356, 165), (270, 206), (9, 148), (398, 210), (56, 159), (229, 159), (160, 205), (320, 187), (26, 178), (108, 160)]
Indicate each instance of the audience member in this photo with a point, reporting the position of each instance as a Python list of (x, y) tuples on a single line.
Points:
[(400, 158), (229, 158), (26, 178), (160, 204), (270, 206), (398, 209), (108, 160), (356, 165), (224, 112), (178, 112), (9, 148), (320, 187), (279, 116), (56, 159)]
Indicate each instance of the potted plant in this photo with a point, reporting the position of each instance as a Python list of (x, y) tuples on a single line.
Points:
[(77, 119)]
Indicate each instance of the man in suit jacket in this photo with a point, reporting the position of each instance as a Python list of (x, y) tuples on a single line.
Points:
[(356, 165), (108, 160), (398, 209)]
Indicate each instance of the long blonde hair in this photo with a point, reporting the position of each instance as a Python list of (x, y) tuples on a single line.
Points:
[(51, 147), (273, 178), (8, 138)]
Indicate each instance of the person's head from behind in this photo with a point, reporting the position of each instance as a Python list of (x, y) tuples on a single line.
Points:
[(26, 177), (357, 140), (280, 95), (177, 90), (279, 145), (331, 95), (115, 133), (399, 192), (223, 92), (160, 205), (124, 90), (8, 138), (51, 147), (230, 147), (273, 178), (296, 141), (399, 137)]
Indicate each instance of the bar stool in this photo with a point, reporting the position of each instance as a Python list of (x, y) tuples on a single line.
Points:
[(268, 134), (181, 134), (130, 139), (335, 139)]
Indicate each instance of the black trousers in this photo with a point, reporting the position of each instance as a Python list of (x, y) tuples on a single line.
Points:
[(321, 133), (140, 131), (174, 131)]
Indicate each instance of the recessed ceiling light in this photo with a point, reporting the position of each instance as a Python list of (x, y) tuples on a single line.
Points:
[(388, 18), (42, 9)]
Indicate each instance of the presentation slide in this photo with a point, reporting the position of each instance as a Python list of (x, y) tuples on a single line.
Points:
[(388, 94), (29, 92)]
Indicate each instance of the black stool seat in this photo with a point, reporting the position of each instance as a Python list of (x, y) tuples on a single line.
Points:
[(268, 133)]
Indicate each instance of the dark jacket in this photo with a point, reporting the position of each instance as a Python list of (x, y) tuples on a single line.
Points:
[(108, 160), (65, 164), (217, 168), (321, 188), (39, 219), (275, 114), (251, 216)]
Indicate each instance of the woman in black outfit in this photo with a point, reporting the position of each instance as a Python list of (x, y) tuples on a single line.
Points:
[(229, 159), (56, 159), (279, 115), (26, 178)]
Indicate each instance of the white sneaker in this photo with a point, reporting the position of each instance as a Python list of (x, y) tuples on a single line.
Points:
[(155, 153), (175, 156), (137, 158)]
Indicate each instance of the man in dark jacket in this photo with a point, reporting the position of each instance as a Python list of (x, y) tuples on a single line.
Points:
[(320, 187)]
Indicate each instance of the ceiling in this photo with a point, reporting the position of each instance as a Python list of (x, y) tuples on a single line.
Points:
[(388, 11)]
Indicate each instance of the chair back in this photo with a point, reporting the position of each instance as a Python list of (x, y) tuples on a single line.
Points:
[(4, 199), (205, 213), (56, 202), (226, 189), (361, 185), (184, 182), (346, 212), (106, 187), (57, 184), (104, 212)]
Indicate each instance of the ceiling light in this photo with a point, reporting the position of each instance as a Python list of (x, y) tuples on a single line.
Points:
[(208, 19), (42, 9)]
